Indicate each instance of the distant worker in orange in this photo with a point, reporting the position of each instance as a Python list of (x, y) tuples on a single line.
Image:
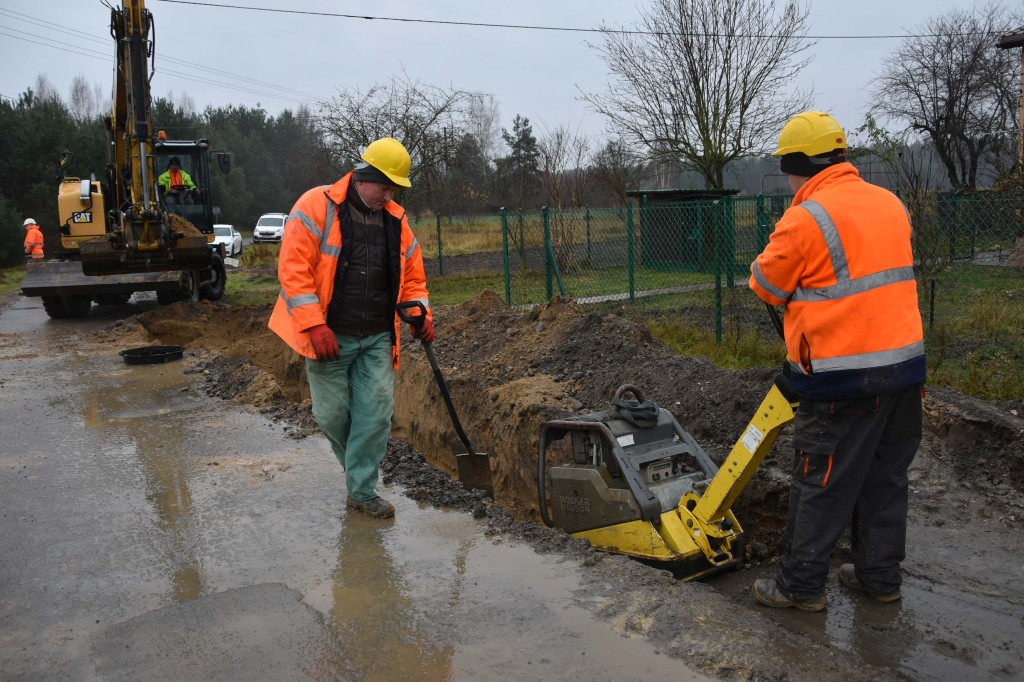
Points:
[(840, 260), (33, 239), (348, 256)]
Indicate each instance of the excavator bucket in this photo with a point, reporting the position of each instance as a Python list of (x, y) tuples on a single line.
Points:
[(101, 257)]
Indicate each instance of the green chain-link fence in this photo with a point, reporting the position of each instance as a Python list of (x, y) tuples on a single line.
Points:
[(690, 261)]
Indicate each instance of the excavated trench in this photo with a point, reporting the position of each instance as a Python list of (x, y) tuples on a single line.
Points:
[(510, 371)]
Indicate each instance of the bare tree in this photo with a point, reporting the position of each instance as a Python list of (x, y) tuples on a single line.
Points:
[(951, 84), (45, 92), (482, 117), (567, 173), (619, 168), (87, 101), (702, 82), (427, 119)]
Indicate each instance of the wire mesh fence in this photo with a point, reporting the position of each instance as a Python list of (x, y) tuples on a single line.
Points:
[(690, 261)]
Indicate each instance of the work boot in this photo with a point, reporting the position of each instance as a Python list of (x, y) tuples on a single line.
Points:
[(376, 507), (767, 591), (848, 577)]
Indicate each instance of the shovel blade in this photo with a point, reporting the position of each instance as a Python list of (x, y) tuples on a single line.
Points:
[(475, 471)]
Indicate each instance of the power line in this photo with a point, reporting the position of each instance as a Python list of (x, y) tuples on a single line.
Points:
[(74, 49), (529, 27)]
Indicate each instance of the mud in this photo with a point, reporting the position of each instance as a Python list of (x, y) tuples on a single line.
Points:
[(510, 371)]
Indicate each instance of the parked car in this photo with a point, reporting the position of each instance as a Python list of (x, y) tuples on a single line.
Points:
[(229, 237), (269, 228)]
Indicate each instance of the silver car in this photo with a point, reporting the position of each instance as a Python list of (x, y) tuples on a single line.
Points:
[(229, 237), (269, 228)]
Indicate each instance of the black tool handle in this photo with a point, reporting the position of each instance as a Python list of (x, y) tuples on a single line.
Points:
[(776, 320), (417, 322)]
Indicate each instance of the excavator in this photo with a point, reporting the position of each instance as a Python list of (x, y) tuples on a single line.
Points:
[(131, 233)]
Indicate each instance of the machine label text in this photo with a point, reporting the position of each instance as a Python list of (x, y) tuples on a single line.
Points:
[(572, 504)]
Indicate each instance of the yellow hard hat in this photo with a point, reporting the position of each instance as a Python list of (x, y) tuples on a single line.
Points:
[(812, 133), (389, 157)]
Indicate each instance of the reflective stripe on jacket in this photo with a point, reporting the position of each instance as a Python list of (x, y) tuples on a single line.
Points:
[(34, 242), (841, 261), (309, 260)]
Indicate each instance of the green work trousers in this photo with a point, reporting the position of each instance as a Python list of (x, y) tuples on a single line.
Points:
[(353, 399)]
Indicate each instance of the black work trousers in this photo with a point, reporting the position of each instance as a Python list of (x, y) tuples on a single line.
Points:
[(851, 465)]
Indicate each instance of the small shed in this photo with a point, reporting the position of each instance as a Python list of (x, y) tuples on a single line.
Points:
[(677, 226)]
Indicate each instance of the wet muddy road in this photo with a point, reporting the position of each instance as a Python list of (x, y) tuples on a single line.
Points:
[(150, 531)]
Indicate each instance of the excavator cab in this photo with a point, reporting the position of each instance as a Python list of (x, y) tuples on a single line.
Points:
[(193, 160)]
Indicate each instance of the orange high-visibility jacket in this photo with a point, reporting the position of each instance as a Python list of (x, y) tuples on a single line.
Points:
[(840, 260), (34, 242), (309, 260)]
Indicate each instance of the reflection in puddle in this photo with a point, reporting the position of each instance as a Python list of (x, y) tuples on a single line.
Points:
[(373, 614), (126, 412)]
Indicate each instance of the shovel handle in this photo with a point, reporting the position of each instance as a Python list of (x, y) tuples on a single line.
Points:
[(417, 323), (415, 320)]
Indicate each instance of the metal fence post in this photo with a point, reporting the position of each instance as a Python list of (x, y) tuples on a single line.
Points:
[(588, 234), (762, 230), (504, 248), (728, 220), (547, 252), (440, 259), (629, 246), (718, 276)]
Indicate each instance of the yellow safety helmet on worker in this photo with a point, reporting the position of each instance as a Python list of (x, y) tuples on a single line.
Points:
[(810, 142), (388, 156)]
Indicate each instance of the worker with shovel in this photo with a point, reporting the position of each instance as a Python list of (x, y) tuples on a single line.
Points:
[(348, 258), (840, 260)]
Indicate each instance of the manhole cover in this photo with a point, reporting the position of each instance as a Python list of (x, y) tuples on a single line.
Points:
[(150, 355)]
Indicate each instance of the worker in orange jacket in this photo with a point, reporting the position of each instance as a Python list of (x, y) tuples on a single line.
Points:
[(33, 239), (348, 257), (840, 260)]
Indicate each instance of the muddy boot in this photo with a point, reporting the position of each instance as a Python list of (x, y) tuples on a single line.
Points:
[(848, 577), (376, 507), (767, 591)]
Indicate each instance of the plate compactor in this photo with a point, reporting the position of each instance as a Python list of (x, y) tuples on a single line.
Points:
[(640, 485)]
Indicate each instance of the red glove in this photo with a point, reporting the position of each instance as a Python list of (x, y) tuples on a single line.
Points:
[(426, 332), (324, 342)]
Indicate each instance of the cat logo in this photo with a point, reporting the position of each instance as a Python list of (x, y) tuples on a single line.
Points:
[(81, 217)]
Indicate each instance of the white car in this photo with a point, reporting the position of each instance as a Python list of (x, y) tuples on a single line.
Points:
[(269, 228), (229, 237)]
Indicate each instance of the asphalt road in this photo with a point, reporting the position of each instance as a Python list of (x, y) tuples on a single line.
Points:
[(152, 532)]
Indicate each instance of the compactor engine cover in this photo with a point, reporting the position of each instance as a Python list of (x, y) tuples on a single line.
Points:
[(662, 461)]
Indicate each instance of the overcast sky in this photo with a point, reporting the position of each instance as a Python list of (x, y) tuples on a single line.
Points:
[(281, 60)]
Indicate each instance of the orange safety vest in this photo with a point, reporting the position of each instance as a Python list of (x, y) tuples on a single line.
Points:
[(309, 259), (841, 261), (34, 242)]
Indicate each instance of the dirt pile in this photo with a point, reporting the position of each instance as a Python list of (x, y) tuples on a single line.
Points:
[(510, 371)]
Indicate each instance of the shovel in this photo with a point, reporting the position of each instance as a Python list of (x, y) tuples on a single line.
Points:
[(474, 468)]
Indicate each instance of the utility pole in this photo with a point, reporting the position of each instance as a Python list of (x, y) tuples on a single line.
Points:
[(1007, 42)]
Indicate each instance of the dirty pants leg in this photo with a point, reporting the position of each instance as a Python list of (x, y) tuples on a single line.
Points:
[(878, 530), (838, 449), (353, 400)]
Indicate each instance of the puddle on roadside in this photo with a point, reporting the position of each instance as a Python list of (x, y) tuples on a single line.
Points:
[(133, 409)]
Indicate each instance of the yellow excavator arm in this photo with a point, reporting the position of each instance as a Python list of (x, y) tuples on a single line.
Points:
[(143, 237)]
